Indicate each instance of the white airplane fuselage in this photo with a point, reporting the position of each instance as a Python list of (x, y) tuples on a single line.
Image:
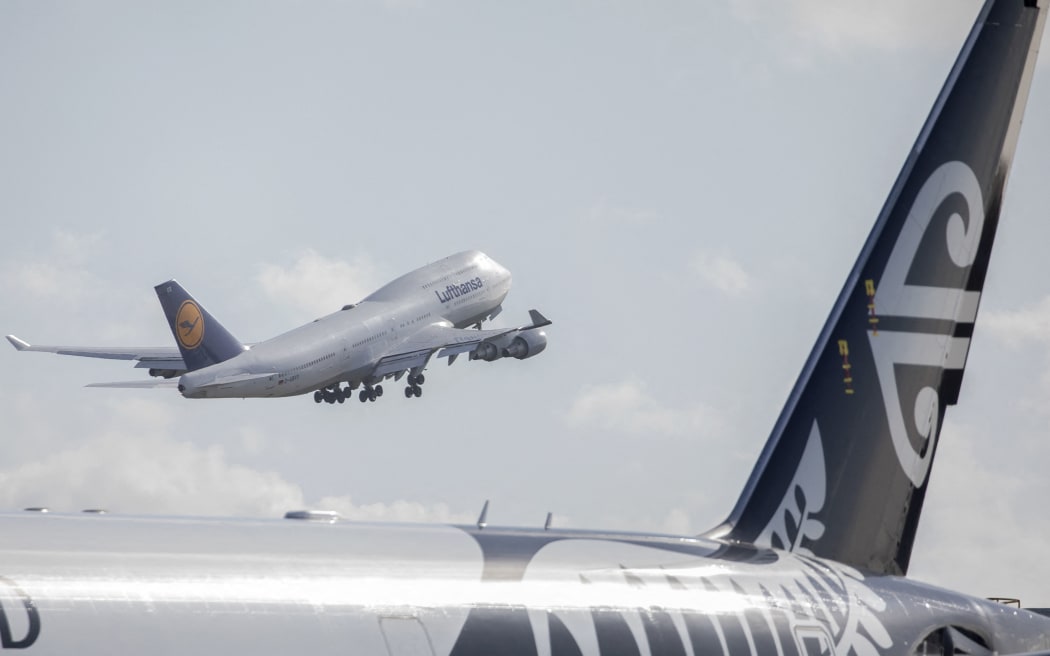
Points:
[(131, 585), (459, 291)]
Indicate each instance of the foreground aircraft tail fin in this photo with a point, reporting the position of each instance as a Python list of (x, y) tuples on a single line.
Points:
[(844, 472), (201, 339)]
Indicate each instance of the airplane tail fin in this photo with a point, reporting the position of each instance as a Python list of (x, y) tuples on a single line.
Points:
[(201, 339), (844, 472)]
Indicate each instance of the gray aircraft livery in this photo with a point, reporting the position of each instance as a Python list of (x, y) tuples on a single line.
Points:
[(811, 560), (394, 331)]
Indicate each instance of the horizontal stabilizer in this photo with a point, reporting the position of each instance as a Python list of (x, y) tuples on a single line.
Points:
[(137, 384)]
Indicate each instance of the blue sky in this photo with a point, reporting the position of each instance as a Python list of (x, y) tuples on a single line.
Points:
[(680, 186)]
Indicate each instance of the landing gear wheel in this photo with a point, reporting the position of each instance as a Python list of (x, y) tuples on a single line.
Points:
[(318, 397), (379, 390), (420, 379), (372, 395), (408, 392), (417, 391), (363, 396)]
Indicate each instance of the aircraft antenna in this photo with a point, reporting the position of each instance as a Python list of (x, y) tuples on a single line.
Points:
[(482, 518)]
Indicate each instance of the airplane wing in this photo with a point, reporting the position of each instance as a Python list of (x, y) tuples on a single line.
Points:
[(157, 357), (448, 342)]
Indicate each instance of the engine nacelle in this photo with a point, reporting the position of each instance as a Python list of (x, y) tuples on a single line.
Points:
[(527, 344), (486, 351)]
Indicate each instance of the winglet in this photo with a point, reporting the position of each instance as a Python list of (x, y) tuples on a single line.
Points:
[(19, 344), (538, 320)]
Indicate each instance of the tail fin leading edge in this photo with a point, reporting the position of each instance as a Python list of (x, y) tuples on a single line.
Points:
[(844, 472), (201, 339)]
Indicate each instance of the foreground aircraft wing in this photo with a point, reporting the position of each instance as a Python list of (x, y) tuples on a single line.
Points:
[(153, 357), (449, 342)]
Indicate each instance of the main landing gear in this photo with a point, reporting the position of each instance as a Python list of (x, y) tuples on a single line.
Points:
[(415, 381), (334, 394), (370, 393), (339, 394)]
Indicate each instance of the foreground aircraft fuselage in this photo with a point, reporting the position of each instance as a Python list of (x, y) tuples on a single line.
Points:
[(811, 560), (395, 330), (108, 584)]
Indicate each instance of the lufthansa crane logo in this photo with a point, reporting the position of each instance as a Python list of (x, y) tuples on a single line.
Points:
[(189, 325)]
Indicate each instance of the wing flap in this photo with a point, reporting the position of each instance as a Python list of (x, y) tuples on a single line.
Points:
[(402, 361)]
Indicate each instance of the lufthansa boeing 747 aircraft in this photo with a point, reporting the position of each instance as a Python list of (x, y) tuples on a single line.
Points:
[(811, 561), (394, 331)]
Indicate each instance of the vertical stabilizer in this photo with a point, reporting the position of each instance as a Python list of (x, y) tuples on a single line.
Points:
[(202, 340), (844, 473)]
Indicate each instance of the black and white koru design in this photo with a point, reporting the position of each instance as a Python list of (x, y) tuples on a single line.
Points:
[(895, 298)]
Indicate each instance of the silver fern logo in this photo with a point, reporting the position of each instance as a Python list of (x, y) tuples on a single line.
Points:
[(794, 520), (818, 586)]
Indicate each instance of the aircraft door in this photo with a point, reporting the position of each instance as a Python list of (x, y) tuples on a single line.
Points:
[(405, 636)]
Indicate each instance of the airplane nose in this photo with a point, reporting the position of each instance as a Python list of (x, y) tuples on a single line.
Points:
[(501, 272)]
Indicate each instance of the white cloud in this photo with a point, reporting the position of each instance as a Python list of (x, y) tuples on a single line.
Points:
[(626, 407), (984, 532), (150, 471), (60, 274), (858, 24), (315, 285), (721, 272), (677, 522), (396, 511), (1015, 327)]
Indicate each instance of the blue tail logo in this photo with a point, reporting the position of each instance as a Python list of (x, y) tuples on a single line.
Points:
[(189, 325)]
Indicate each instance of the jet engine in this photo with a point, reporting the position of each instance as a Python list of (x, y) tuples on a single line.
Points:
[(486, 351), (524, 344), (527, 344)]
